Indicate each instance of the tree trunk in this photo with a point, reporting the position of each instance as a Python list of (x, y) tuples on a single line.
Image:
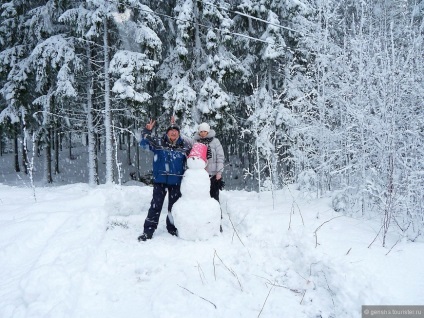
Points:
[(269, 77), (96, 161), (16, 148), (137, 161), (197, 42), (93, 177), (37, 147), (47, 141), (388, 209), (56, 150), (24, 146), (107, 112), (24, 157), (48, 159), (1, 140), (129, 138), (70, 145)]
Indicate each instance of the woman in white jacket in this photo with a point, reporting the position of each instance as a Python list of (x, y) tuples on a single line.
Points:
[(216, 157)]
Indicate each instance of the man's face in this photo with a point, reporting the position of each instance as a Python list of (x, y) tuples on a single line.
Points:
[(173, 134)]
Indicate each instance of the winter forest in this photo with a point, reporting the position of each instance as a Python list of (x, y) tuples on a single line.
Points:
[(327, 94)]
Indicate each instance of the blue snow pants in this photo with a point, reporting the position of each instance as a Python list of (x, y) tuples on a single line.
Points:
[(159, 194)]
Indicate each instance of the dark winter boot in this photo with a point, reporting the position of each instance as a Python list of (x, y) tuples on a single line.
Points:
[(173, 232), (170, 225), (144, 237)]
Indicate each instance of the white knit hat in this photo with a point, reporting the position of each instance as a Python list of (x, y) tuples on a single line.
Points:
[(204, 127)]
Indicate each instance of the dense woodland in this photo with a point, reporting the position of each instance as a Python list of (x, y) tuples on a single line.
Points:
[(325, 93)]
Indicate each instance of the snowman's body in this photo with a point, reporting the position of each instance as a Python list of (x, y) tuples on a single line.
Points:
[(196, 215)]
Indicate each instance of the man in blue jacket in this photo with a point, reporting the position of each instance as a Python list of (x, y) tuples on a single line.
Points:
[(170, 153)]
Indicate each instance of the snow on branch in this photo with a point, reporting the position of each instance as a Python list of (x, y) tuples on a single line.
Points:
[(135, 70)]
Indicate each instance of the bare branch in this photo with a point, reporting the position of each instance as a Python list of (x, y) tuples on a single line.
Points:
[(376, 236), (199, 269), (329, 289), (198, 296), (235, 231), (294, 203), (265, 301), (303, 296), (214, 268), (281, 286), (315, 232), (393, 246), (229, 269)]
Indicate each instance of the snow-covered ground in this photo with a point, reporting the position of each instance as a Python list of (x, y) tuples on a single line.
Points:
[(72, 251)]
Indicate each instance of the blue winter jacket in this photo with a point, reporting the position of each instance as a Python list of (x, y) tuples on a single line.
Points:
[(169, 159)]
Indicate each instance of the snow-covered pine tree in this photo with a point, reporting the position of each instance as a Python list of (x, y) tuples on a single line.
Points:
[(128, 65), (53, 62), (271, 33), (26, 25), (177, 68), (95, 21), (14, 46), (260, 127), (8, 55), (133, 66), (201, 72), (311, 93), (80, 20)]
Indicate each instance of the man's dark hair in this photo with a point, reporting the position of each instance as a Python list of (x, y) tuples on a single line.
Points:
[(173, 126)]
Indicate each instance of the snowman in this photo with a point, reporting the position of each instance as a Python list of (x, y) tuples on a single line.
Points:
[(196, 215)]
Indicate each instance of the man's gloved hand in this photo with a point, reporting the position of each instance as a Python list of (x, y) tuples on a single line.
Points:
[(221, 184)]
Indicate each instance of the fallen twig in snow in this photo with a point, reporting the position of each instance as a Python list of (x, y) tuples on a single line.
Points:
[(229, 269), (306, 280), (303, 296), (393, 247), (329, 289), (235, 231), (315, 232), (292, 212), (375, 236), (198, 296), (265, 301), (277, 285), (292, 209), (199, 268), (291, 289)]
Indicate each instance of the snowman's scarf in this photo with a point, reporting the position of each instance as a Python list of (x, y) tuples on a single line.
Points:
[(206, 141)]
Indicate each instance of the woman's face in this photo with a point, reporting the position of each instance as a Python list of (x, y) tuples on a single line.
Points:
[(203, 133)]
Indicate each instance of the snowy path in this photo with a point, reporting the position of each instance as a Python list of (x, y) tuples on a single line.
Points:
[(74, 253), (44, 248)]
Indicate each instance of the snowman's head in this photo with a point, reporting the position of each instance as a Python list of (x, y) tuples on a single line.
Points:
[(196, 163)]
